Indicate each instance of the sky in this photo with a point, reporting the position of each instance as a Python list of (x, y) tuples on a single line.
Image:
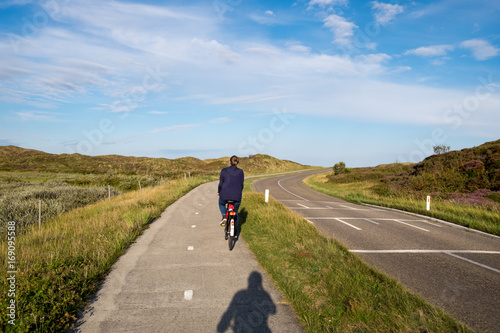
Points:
[(311, 81)]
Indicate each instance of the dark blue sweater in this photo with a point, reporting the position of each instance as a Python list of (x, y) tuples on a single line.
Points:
[(231, 183)]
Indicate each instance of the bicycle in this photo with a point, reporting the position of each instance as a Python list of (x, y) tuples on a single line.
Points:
[(231, 227)]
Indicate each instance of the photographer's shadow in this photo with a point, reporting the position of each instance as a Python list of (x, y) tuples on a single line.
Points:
[(249, 309)]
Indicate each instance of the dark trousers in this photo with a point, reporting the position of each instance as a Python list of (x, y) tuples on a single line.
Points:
[(222, 206)]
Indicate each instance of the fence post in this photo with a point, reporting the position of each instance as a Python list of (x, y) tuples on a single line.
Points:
[(140, 188), (39, 214), (266, 196), (428, 202), (109, 192)]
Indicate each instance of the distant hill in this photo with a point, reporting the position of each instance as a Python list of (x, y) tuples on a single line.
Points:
[(462, 171), (467, 173), (14, 158)]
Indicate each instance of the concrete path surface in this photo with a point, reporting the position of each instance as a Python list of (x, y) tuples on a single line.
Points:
[(180, 276)]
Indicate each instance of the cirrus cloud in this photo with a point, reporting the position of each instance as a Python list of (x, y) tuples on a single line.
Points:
[(480, 48)]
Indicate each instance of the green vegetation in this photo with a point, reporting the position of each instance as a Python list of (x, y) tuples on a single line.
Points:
[(60, 266), (64, 182), (464, 186), (329, 288), (339, 168), (19, 159)]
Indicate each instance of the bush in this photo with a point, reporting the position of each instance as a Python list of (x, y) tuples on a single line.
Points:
[(339, 168)]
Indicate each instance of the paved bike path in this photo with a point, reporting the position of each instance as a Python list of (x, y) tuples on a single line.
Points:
[(179, 276)]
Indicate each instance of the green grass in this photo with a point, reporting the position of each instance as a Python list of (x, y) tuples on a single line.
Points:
[(330, 289), (476, 216), (60, 266), (15, 159)]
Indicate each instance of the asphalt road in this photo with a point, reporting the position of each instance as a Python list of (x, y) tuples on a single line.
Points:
[(180, 276), (455, 269)]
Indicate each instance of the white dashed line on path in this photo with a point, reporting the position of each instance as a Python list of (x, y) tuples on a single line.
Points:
[(188, 295)]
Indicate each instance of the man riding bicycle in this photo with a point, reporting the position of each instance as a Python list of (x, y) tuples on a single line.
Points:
[(230, 187)]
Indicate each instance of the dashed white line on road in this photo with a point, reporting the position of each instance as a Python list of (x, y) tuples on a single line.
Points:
[(452, 253), (352, 226), (190, 248), (408, 224), (188, 295), (349, 207), (193, 226), (302, 205), (372, 221), (473, 262), (426, 251)]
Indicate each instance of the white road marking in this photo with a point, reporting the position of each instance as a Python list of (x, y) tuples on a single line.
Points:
[(473, 262), (298, 196), (431, 223), (372, 221), (193, 226), (352, 226), (190, 248), (312, 208), (188, 295), (327, 207), (304, 206), (349, 207), (408, 224), (426, 251), (448, 252), (310, 221)]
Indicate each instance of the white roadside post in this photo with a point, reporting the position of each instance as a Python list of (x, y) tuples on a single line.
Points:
[(428, 202), (266, 195)]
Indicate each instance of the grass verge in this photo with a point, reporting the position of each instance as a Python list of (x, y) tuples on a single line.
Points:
[(59, 267), (479, 217), (330, 289)]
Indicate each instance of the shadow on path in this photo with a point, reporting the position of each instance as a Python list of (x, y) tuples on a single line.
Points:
[(249, 309)]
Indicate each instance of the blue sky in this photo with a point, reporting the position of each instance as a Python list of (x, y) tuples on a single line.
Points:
[(316, 81)]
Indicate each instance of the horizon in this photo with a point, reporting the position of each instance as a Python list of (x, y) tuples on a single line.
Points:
[(310, 81), (227, 157)]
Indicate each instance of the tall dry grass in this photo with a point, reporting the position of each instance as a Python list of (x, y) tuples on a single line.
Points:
[(60, 266)]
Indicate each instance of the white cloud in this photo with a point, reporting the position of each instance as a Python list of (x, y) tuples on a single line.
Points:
[(174, 128), (156, 112), (372, 63), (386, 12), (221, 120), (342, 29), (401, 69), (9, 3), (430, 51), (246, 99), (480, 48), (324, 3), (38, 116), (298, 47), (213, 48), (269, 12)]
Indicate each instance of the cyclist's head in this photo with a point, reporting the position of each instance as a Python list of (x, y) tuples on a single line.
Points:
[(234, 160)]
